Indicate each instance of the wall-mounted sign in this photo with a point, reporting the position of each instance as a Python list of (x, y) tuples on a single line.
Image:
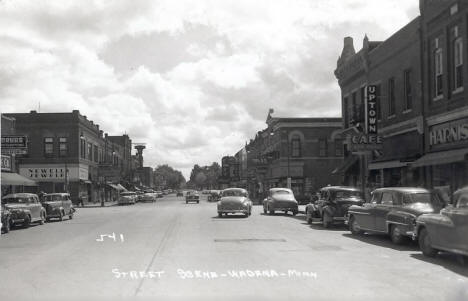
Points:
[(14, 142), (6, 163), (371, 109), (14, 151), (54, 172), (449, 133), (359, 143)]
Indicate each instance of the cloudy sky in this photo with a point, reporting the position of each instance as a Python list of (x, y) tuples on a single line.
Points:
[(192, 79)]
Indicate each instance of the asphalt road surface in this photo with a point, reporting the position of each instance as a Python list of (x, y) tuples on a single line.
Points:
[(172, 250)]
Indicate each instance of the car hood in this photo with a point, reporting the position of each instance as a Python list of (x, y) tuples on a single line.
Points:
[(16, 206), (284, 198), (419, 208), (232, 199)]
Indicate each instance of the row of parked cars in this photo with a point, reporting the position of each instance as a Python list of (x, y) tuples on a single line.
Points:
[(403, 213), (23, 209)]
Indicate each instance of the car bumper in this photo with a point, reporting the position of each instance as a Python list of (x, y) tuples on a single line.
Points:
[(233, 211)]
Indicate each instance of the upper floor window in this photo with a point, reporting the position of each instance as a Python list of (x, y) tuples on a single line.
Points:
[(296, 146), (438, 72), (48, 146), (458, 63), (391, 96), (408, 89), (63, 147), (82, 148), (322, 147), (96, 154), (89, 153)]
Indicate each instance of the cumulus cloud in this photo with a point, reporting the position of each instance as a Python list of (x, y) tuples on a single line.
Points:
[(192, 79)]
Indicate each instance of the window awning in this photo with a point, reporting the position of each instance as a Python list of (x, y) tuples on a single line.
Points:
[(445, 157), (121, 188), (387, 164), (113, 186), (14, 179), (346, 165)]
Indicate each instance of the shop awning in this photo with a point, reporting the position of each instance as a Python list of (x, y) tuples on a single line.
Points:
[(14, 179), (387, 164), (446, 157), (121, 188), (346, 165), (113, 186)]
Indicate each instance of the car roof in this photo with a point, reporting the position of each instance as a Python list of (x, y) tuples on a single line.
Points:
[(234, 188), (341, 188), (57, 193), (279, 188), (461, 190), (19, 195), (403, 189)]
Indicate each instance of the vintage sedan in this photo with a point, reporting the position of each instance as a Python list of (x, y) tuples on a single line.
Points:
[(58, 205), (393, 211), (332, 204), (192, 196), (214, 195), (148, 197), (127, 197), (447, 230), (234, 200), (180, 193), (24, 208), (6, 219), (280, 199)]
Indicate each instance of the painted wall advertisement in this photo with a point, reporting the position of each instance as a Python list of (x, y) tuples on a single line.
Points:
[(54, 172)]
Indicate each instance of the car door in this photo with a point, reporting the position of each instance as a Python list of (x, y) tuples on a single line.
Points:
[(459, 217), (365, 218), (35, 206), (382, 209)]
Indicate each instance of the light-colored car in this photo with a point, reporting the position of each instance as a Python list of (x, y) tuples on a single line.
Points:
[(25, 208), (58, 205), (234, 200), (280, 199), (127, 197), (447, 230), (148, 197), (192, 196)]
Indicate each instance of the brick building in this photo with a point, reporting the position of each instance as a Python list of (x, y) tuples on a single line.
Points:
[(393, 66), (68, 152)]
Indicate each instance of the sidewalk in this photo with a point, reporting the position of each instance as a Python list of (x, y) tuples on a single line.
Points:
[(97, 204)]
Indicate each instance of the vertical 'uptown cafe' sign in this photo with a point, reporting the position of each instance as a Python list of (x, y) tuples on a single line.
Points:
[(371, 110)]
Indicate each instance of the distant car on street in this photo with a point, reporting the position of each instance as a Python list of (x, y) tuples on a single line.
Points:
[(447, 230), (180, 193), (25, 208), (6, 219), (58, 205), (332, 204), (214, 195), (148, 197), (280, 199), (192, 196), (234, 200), (127, 197), (139, 194), (393, 210)]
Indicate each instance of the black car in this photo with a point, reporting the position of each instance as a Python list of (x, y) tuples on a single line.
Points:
[(393, 211), (333, 204), (6, 220)]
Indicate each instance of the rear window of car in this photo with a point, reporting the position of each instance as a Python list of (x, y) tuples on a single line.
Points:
[(52, 198), (16, 200), (425, 197), (234, 193), (348, 194)]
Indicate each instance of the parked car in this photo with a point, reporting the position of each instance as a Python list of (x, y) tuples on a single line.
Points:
[(148, 197), (192, 196), (139, 195), (58, 205), (24, 208), (234, 200), (332, 204), (447, 230), (180, 193), (393, 211), (280, 199), (6, 219), (127, 197), (214, 196)]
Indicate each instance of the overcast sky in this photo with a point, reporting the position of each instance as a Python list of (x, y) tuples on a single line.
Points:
[(192, 79)]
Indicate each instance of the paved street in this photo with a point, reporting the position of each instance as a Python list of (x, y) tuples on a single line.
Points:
[(185, 250)]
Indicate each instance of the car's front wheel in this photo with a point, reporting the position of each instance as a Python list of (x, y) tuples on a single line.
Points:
[(326, 220), (43, 218), (425, 244), (264, 210), (295, 212), (61, 216), (271, 211), (354, 227), (220, 214), (396, 235), (308, 217)]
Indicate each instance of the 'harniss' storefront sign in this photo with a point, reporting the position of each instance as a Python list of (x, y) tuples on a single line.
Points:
[(449, 133)]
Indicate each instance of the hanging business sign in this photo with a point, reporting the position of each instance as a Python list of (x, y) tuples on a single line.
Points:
[(6, 163), (371, 109), (359, 143)]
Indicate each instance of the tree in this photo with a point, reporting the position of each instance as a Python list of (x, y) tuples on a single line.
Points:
[(167, 177)]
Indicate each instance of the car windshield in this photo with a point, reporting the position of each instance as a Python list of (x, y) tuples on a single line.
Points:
[(423, 197), (281, 192), (348, 194), (15, 200), (234, 193), (127, 193), (52, 198)]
